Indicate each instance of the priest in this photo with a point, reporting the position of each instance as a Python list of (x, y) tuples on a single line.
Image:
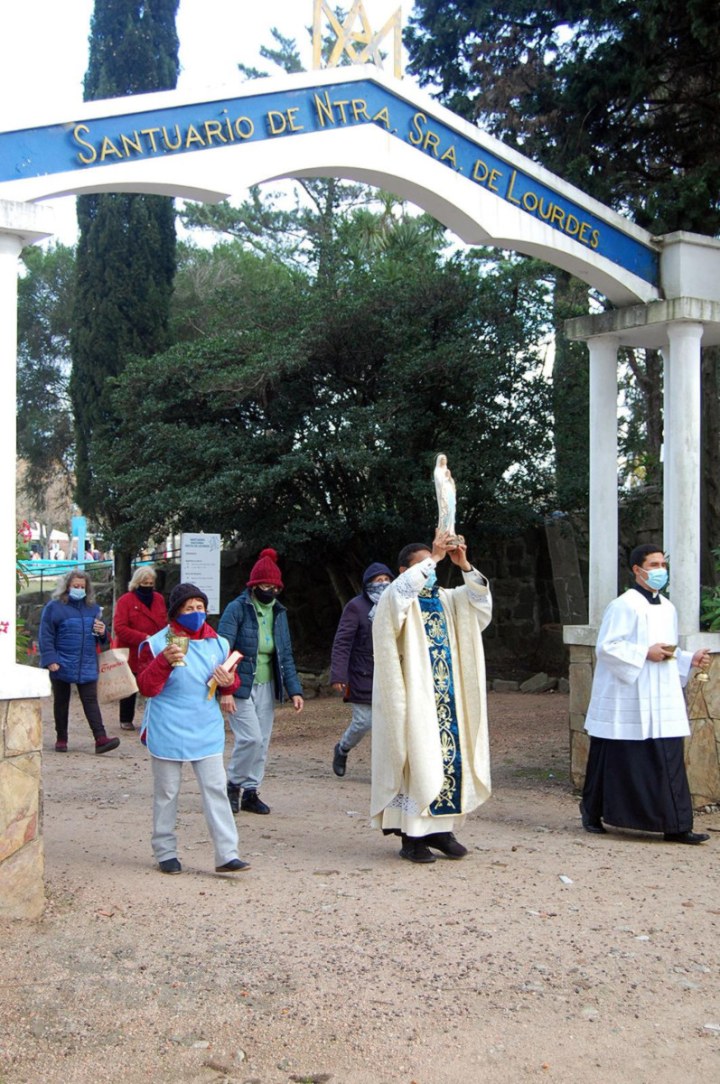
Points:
[(637, 718), (430, 756)]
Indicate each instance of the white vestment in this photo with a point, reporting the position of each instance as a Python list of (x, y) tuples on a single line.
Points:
[(633, 698), (407, 753)]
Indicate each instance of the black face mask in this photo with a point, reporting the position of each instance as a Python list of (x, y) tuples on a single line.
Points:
[(266, 597), (145, 594)]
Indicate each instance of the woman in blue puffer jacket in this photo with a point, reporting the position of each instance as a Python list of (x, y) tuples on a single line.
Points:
[(256, 624), (71, 627)]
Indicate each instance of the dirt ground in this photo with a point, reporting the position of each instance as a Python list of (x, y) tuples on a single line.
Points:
[(546, 954)]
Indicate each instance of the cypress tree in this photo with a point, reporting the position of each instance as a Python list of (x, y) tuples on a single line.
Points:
[(126, 248)]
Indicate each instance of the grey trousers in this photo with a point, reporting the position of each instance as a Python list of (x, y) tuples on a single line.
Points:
[(252, 723), (212, 783), (360, 723)]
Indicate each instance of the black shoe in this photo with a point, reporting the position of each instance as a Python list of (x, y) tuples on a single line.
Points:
[(233, 866), (233, 793), (595, 827), (106, 745), (339, 761), (252, 803), (170, 865), (414, 850), (686, 837), (446, 843)]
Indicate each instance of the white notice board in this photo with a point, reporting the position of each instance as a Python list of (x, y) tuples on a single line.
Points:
[(200, 565)]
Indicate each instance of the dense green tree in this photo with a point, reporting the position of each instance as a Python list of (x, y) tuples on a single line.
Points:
[(126, 251), (310, 410), (45, 435), (621, 99)]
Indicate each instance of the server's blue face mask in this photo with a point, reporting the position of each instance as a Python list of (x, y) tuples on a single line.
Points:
[(656, 578), (431, 580)]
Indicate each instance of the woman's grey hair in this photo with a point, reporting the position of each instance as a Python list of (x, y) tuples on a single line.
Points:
[(61, 591), (139, 575)]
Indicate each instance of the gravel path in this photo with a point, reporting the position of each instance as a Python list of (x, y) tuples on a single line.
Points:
[(546, 954)]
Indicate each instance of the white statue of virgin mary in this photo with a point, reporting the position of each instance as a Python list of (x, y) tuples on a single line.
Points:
[(445, 492)]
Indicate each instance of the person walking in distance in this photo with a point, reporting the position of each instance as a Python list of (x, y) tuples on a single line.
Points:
[(351, 662)]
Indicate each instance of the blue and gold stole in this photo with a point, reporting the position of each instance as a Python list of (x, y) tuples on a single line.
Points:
[(436, 634)]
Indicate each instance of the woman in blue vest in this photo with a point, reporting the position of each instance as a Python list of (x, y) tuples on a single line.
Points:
[(256, 624), (183, 722)]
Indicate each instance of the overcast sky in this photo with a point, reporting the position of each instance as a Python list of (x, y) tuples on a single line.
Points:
[(45, 52)]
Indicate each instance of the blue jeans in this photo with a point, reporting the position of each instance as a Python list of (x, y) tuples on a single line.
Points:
[(360, 724)]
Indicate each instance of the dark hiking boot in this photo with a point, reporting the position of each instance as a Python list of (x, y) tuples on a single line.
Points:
[(252, 803), (235, 865), (233, 793), (170, 865), (339, 761)]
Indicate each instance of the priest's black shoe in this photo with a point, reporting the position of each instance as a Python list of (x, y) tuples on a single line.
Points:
[(446, 843), (591, 826), (414, 849), (686, 837), (251, 802)]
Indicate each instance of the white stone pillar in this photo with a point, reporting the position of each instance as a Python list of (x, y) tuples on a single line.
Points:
[(20, 224), (681, 469), (603, 514)]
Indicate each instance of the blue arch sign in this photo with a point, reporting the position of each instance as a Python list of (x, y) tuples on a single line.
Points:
[(90, 143)]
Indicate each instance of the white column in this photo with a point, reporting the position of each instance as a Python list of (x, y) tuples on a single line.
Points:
[(603, 515), (10, 248), (681, 469), (20, 224)]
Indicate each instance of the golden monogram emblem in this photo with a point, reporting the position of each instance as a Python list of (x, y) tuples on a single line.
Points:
[(355, 37)]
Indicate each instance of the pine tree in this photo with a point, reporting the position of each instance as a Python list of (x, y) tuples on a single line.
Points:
[(126, 250)]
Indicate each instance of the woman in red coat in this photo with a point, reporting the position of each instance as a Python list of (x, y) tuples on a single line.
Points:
[(138, 614)]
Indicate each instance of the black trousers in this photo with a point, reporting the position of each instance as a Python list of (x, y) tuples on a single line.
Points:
[(638, 784), (61, 704), (127, 708)]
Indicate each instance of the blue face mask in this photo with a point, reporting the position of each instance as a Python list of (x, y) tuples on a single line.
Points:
[(193, 622), (431, 580), (657, 578), (77, 593)]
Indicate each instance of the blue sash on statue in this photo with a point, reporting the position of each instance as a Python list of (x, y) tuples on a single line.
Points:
[(448, 800)]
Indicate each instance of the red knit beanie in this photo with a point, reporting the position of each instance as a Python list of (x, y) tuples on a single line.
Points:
[(265, 570)]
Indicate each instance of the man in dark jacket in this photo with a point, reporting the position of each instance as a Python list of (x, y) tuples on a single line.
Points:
[(256, 624), (351, 666)]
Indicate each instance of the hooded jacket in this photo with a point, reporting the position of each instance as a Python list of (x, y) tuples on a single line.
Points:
[(351, 662)]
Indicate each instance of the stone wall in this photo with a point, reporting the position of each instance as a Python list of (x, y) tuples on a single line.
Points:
[(702, 748), (22, 862)]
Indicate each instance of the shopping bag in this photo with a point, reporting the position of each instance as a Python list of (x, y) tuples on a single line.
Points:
[(115, 678)]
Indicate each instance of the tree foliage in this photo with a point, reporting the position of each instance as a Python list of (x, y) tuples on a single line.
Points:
[(45, 436), (310, 409), (126, 251)]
